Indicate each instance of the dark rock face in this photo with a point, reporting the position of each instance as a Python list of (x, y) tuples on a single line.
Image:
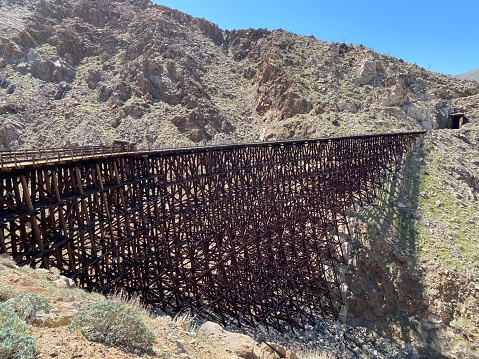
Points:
[(4, 83)]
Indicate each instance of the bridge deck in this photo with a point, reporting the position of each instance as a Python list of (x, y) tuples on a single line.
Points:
[(19, 159)]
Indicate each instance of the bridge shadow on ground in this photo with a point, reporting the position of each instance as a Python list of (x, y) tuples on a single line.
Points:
[(386, 287)]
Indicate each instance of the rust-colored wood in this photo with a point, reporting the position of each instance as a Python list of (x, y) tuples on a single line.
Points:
[(33, 218), (242, 233), (3, 246)]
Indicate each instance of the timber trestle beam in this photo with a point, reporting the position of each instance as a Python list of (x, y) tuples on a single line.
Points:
[(241, 233)]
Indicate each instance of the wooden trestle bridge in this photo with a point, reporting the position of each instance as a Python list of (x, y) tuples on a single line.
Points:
[(247, 233)]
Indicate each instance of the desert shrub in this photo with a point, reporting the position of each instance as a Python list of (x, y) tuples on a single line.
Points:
[(9, 319), (15, 343), (27, 305), (116, 324), (6, 294)]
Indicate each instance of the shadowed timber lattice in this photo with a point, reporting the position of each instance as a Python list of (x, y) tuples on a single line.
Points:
[(244, 233)]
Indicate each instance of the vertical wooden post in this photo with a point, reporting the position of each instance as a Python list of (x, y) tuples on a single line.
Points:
[(3, 245), (33, 217)]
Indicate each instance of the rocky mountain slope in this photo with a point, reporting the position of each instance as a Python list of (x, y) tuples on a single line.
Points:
[(470, 75), (87, 72)]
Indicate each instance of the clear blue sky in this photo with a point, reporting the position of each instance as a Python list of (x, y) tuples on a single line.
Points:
[(440, 35)]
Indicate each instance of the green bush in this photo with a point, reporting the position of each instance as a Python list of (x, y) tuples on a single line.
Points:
[(116, 324), (14, 342), (27, 305), (6, 294)]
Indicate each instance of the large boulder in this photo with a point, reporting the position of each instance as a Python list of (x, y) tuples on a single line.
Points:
[(12, 52), (47, 70), (367, 71)]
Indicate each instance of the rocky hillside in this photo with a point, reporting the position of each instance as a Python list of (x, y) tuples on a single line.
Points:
[(87, 72), (414, 272), (470, 75)]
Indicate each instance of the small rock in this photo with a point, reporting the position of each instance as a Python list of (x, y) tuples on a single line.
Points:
[(11, 88), (400, 205), (69, 59), (180, 347), (282, 351), (62, 90), (64, 282), (54, 319), (433, 319), (7, 261), (240, 344), (210, 328)]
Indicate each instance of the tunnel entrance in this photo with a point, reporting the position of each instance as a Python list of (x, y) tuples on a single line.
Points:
[(457, 120)]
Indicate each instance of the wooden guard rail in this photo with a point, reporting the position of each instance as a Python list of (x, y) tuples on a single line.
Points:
[(35, 157)]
